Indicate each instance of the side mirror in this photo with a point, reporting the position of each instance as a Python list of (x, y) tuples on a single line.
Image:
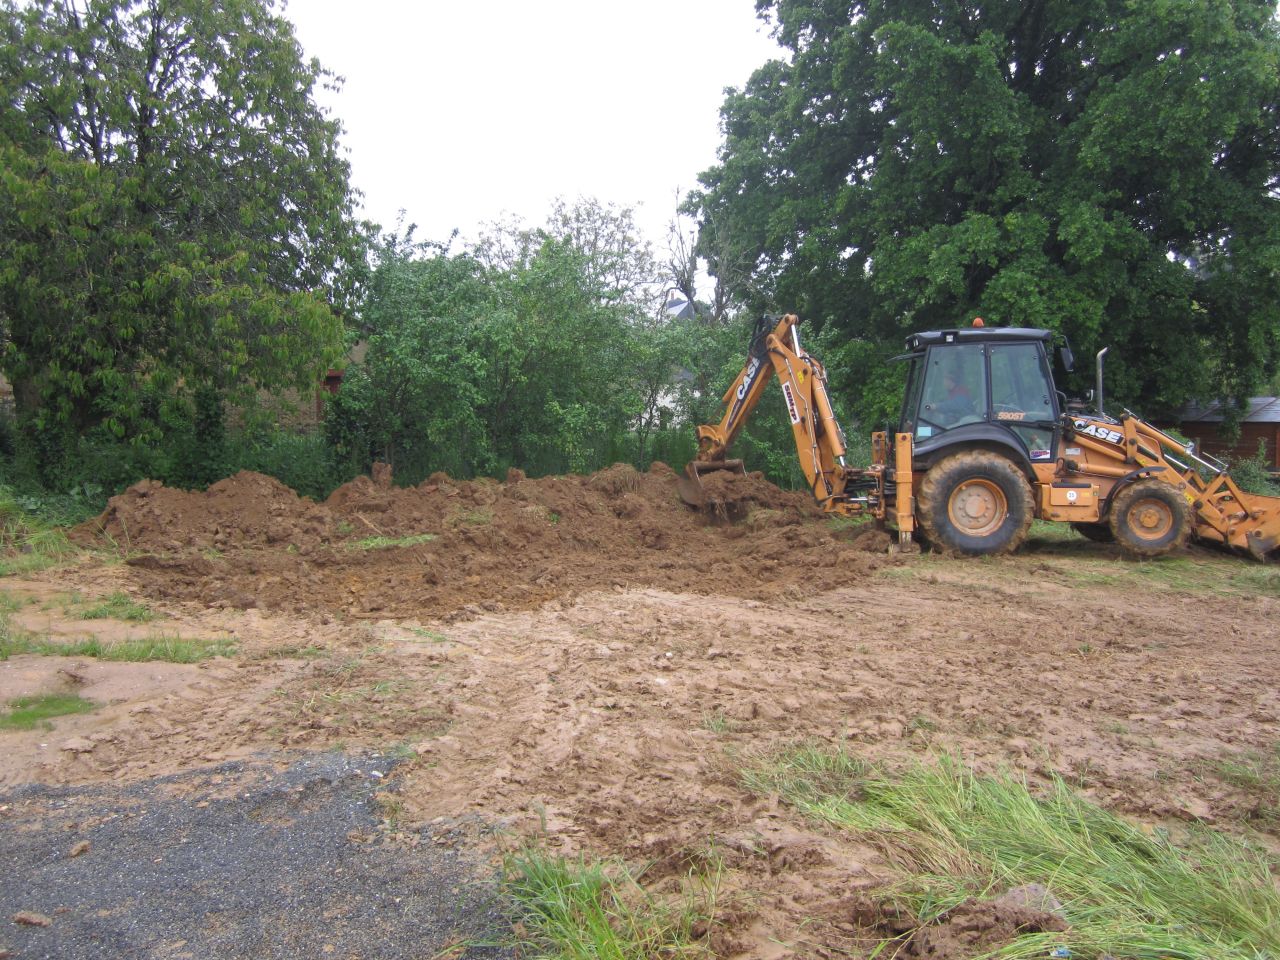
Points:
[(1067, 357)]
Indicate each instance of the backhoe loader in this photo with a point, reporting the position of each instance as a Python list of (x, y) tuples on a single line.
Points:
[(984, 444)]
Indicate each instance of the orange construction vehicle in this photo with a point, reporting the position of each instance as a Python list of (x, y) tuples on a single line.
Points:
[(984, 444)]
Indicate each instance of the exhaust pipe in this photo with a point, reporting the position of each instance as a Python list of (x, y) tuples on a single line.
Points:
[(1101, 353)]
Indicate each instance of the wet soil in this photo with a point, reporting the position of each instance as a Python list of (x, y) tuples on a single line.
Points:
[(376, 550), (587, 661)]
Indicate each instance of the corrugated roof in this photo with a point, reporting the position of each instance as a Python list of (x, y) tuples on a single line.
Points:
[(1260, 410)]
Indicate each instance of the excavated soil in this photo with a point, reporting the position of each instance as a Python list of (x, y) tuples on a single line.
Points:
[(587, 661), (375, 550)]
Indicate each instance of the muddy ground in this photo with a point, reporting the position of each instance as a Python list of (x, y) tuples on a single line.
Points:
[(584, 660)]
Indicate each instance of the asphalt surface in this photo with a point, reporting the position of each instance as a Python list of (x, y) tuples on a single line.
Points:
[(242, 860)]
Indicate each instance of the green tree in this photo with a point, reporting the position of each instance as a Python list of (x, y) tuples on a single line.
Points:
[(412, 400), (1099, 167), (539, 349), (174, 207)]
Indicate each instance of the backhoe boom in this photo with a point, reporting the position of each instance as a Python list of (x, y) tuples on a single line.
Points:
[(820, 442)]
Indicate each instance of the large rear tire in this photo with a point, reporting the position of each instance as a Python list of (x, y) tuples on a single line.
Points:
[(975, 502), (1150, 518)]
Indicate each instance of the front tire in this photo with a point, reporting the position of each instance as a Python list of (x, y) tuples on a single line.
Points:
[(975, 502), (1150, 518)]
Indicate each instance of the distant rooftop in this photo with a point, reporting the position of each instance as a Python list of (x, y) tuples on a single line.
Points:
[(1260, 410)]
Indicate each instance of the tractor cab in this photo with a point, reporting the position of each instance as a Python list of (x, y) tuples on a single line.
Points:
[(981, 386)]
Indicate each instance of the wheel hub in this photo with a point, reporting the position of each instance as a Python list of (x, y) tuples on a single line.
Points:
[(977, 507), (1151, 519)]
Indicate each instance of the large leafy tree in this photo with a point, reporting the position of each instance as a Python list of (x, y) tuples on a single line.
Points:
[(175, 210), (1101, 167)]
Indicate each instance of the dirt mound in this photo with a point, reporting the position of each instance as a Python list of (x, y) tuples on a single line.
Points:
[(248, 509), (735, 496), (978, 927), (374, 549)]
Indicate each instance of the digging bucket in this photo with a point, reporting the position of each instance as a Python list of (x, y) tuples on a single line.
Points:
[(690, 484)]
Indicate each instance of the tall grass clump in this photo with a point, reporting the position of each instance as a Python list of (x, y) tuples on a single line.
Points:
[(28, 543), (575, 910), (1128, 891)]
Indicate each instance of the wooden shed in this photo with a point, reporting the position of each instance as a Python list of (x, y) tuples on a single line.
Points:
[(1260, 425)]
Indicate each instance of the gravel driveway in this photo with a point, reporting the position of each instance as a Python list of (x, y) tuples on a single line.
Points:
[(243, 860)]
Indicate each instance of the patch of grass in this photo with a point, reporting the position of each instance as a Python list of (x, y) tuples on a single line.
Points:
[(575, 910), (11, 603), (1253, 770), (1049, 531), (1256, 772), (165, 647), (1128, 891), (839, 524), (384, 543), (1200, 572), (117, 606), (1257, 579), (28, 713), (475, 518)]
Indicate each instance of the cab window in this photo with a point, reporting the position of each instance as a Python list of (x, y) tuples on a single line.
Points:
[(1020, 389), (954, 391)]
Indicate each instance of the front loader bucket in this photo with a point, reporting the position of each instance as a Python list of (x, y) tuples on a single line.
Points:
[(690, 486)]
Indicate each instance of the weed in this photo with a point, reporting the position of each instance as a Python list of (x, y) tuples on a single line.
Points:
[(391, 807), (292, 652), (27, 713), (428, 635), (717, 722), (384, 543), (1128, 891), (117, 606), (577, 910), (344, 528), (921, 723), (553, 517)]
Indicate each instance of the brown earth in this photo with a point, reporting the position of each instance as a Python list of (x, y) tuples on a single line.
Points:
[(468, 546), (585, 660)]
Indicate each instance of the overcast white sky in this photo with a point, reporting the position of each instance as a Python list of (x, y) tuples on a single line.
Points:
[(460, 112)]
